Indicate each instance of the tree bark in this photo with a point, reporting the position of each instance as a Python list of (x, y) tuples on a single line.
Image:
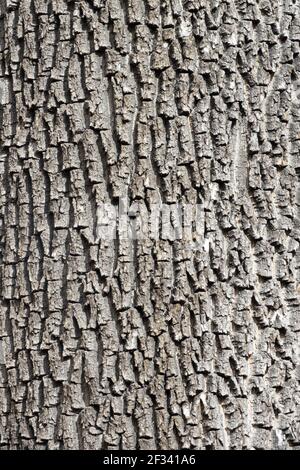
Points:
[(149, 342)]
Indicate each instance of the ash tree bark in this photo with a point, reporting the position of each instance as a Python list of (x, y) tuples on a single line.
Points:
[(149, 342)]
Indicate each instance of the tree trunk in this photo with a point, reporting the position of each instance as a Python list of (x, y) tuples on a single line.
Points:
[(114, 335)]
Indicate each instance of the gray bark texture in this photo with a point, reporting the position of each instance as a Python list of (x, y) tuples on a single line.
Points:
[(149, 343)]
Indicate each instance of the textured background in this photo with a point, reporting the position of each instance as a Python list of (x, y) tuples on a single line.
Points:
[(167, 343)]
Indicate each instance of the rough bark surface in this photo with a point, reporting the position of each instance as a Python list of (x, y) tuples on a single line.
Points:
[(149, 343)]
